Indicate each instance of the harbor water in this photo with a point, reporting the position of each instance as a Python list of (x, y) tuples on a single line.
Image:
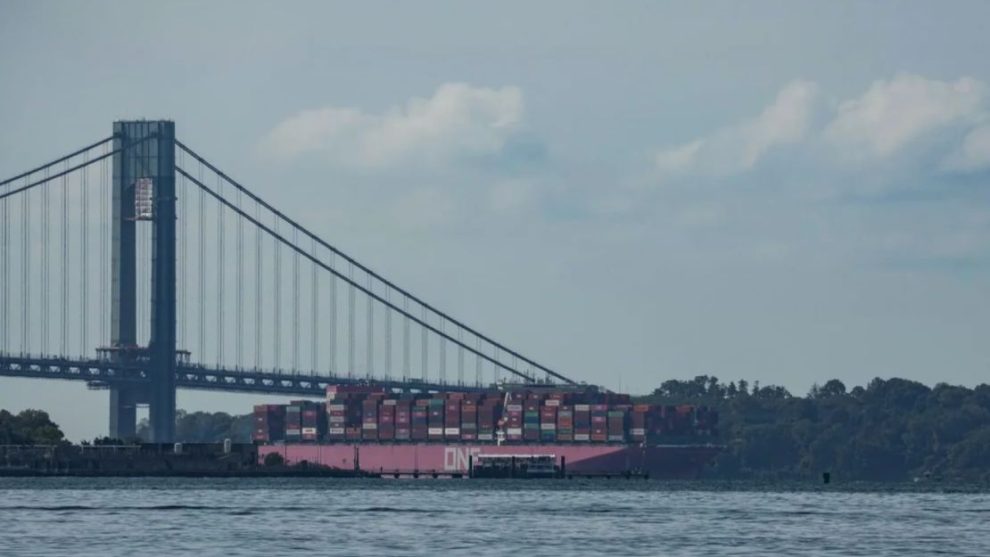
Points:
[(145, 516)]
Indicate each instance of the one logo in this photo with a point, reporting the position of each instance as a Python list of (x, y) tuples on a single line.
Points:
[(455, 459)]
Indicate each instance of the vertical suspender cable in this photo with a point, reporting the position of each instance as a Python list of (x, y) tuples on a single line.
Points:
[(424, 348), (314, 304), (45, 256), (496, 370), (277, 337), (221, 286), (295, 300), (105, 197), (351, 300), (477, 362), (371, 332), (257, 287), (84, 255), (64, 271), (184, 278), (405, 340), (333, 319), (5, 278), (239, 307), (443, 352), (460, 356), (388, 334), (25, 270), (201, 286)]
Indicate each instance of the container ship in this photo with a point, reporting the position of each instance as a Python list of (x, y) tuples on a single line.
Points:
[(581, 431)]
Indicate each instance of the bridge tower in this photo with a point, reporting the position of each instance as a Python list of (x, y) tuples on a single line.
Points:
[(144, 195)]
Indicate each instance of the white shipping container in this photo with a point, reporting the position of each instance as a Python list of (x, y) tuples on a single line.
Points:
[(582, 437), (337, 407), (485, 437), (552, 402), (515, 431), (513, 407), (582, 407), (546, 427), (452, 431), (336, 431), (309, 430), (637, 431), (389, 402), (435, 431), (370, 425)]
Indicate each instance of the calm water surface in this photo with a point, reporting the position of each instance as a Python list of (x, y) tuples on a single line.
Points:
[(343, 517)]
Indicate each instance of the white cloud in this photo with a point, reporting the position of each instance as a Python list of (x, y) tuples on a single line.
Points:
[(891, 114), (739, 147), (973, 154), (458, 121), (946, 120), (679, 159)]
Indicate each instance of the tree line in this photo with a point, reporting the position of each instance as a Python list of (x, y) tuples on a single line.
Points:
[(205, 427), (30, 427), (892, 429)]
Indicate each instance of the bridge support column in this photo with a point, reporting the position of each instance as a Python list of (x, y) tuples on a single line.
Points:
[(149, 165), (123, 413)]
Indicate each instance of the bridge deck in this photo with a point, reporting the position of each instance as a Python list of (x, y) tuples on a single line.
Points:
[(191, 376)]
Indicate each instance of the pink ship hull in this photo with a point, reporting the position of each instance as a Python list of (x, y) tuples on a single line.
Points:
[(667, 461)]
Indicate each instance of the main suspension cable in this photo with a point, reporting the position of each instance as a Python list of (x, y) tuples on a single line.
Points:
[(375, 275), (56, 161), (350, 280), (69, 170)]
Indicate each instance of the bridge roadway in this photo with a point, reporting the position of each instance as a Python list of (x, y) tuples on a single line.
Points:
[(105, 373)]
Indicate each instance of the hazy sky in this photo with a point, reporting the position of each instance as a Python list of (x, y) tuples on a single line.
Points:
[(628, 191)]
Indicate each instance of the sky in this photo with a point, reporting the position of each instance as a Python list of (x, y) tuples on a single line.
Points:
[(785, 192)]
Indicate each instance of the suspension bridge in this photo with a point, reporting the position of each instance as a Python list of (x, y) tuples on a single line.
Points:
[(136, 265)]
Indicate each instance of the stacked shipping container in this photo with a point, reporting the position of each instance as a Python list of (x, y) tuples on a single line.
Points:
[(370, 414), (269, 423)]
